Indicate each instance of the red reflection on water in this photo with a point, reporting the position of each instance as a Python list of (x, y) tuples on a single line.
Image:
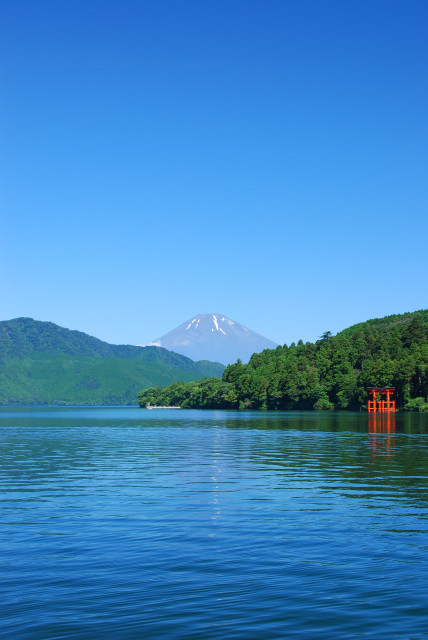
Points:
[(381, 424)]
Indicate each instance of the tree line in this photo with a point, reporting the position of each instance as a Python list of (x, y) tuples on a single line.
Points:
[(331, 373)]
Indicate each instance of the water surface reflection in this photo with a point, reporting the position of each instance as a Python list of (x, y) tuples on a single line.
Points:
[(123, 523)]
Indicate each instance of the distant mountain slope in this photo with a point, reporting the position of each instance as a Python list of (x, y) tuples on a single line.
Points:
[(42, 363), (212, 336)]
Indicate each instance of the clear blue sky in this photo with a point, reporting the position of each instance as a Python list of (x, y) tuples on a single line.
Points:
[(262, 159)]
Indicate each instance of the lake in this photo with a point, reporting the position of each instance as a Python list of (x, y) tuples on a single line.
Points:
[(125, 523)]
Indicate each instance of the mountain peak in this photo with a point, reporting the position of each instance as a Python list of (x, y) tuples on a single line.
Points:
[(214, 336)]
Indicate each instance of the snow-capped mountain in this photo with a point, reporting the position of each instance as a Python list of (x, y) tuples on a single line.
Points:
[(212, 336)]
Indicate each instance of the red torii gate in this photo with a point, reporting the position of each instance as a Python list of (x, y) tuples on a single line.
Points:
[(381, 406)]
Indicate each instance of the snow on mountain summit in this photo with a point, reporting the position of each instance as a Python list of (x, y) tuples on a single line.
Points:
[(213, 336)]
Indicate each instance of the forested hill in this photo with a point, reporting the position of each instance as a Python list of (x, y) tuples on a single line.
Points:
[(332, 373), (42, 363), (22, 336)]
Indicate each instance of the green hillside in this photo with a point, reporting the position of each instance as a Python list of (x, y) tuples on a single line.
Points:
[(42, 363), (332, 373)]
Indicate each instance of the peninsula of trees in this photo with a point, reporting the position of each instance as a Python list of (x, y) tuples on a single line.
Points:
[(332, 373)]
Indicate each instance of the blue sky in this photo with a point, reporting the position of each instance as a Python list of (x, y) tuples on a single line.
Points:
[(263, 160)]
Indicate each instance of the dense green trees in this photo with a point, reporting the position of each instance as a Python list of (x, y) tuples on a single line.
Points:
[(332, 373), (42, 363)]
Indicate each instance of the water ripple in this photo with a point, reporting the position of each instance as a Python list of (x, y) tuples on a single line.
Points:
[(122, 523)]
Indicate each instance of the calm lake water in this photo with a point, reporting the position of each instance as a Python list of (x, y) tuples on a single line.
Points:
[(125, 523)]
